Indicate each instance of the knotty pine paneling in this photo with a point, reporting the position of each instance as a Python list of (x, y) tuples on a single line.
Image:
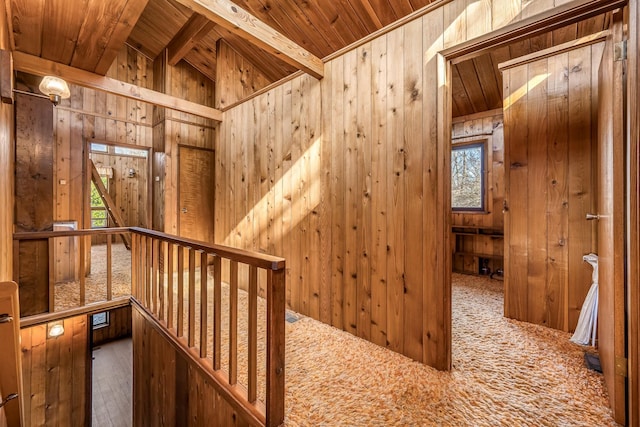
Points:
[(236, 76), (57, 375), (168, 389), (172, 129), (487, 127), (549, 119), (34, 164), (356, 194)]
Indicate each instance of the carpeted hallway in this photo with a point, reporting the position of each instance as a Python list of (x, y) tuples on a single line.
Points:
[(505, 373)]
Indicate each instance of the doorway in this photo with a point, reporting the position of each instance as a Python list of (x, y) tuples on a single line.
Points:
[(111, 367), (550, 93)]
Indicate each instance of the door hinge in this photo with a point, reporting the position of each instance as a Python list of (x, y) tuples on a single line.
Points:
[(620, 51), (621, 366)]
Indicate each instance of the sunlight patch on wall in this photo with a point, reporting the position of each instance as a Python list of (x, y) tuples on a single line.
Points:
[(298, 200)]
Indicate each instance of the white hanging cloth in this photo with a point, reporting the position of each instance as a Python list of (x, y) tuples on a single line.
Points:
[(588, 320)]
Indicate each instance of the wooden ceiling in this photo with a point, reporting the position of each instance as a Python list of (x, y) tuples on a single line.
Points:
[(477, 82), (88, 34)]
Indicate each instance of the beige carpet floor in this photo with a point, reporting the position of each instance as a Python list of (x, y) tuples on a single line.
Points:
[(67, 295), (506, 373)]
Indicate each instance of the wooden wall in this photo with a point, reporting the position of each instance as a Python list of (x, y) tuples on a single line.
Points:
[(236, 76), (6, 161), (119, 327), (633, 320), (172, 129), (57, 375), (93, 115), (487, 127), (168, 390), (34, 200), (346, 179), (550, 133), (34, 164)]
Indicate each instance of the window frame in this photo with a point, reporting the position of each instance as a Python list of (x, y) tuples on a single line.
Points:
[(482, 144), (105, 324)]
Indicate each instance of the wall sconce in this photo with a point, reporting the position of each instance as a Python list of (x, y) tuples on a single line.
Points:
[(132, 173), (55, 329), (55, 88)]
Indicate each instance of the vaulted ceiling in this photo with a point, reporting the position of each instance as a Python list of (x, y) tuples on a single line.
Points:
[(88, 34)]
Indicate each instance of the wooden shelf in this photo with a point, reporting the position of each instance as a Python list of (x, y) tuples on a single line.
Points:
[(468, 230), (478, 255), (463, 234)]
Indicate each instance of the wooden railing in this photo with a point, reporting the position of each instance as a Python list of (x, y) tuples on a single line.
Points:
[(10, 356), (160, 263), (79, 256)]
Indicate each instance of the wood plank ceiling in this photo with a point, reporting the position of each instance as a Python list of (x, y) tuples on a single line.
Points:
[(87, 34)]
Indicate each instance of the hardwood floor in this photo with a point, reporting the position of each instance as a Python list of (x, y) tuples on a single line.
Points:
[(112, 384)]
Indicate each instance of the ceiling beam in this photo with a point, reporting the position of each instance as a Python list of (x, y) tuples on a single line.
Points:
[(237, 20), (128, 19), (41, 67), (191, 33)]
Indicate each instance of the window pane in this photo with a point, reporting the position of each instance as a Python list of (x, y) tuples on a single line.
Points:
[(466, 177), (100, 320), (99, 148), (130, 152)]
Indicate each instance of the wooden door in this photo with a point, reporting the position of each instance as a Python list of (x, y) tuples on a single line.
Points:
[(195, 193), (610, 196)]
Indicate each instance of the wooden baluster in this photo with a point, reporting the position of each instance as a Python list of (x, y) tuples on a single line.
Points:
[(169, 285), (203, 304), (52, 277), (233, 322), (161, 287), (82, 270), (109, 272), (147, 272), (276, 296), (135, 268), (253, 333), (180, 319), (155, 260), (192, 297), (134, 265), (217, 309)]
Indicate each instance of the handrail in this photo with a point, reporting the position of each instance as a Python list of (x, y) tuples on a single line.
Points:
[(93, 308), (154, 290), (39, 235), (10, 357), (256, 259)]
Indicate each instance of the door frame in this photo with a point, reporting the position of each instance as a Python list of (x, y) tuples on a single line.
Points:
[(86, 217), (539, 24), (213, 172)]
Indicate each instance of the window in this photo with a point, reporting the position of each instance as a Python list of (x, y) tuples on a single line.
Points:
[(134, 152), (467, 177), (99, 217), (99, 148), (100, 320)]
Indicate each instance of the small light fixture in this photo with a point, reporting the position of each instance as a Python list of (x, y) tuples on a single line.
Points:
[(55, 329), (132, 173), (55, 88)]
